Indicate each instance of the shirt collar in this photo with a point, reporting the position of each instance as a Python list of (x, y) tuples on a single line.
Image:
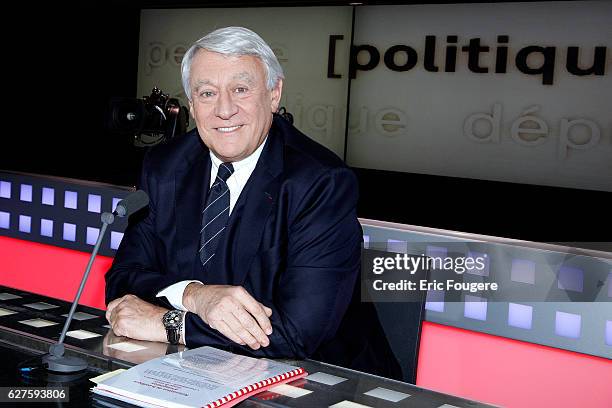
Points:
[(248, 161)]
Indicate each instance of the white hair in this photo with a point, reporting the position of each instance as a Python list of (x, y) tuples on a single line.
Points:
[(235, 41)]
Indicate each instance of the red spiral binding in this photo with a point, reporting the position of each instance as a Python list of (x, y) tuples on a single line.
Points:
[(254, 387)]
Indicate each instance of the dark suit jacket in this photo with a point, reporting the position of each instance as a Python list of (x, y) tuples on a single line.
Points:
[(293, 242)]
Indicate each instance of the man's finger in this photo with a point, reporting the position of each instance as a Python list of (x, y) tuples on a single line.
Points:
[(115, 329), (235, 325), (257, 310), (115, 311), (252, 326), (111, 306), (225, 330)]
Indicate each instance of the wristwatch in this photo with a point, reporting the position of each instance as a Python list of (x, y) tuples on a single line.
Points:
[(173, 322)]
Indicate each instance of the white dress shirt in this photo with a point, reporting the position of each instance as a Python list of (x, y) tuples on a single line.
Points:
[(236, 182)]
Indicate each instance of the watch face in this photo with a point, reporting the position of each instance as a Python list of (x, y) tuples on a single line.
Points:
[(173, 319)]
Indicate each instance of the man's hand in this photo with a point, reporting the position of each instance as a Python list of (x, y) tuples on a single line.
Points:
[(132, 317), (232, 311)]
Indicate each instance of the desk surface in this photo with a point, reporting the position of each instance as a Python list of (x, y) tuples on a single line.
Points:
[(325, 386)]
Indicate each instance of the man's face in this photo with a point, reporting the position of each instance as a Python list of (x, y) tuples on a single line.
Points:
[(230, 103)]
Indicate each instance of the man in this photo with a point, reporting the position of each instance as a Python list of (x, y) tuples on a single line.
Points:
[(251, 236)]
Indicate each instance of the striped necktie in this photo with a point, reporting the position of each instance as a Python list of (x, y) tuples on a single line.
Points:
[(215, 214)]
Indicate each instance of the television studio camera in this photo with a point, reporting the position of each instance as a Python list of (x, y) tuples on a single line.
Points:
[(154, 119)]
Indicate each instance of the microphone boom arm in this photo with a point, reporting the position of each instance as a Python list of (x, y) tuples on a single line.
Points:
[(55, 360)]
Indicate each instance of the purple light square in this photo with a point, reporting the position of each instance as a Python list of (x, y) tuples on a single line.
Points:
[(5, 189), (435, 300), (26, 193), (475, 307), (70, 199), (116, 238), (570, 278), (609, 332), (69, 232), (5, 220), (366, 241), (48, 196), (94, 203), (25, 224), (400, 247), (567, 325), (475, 271), (436, 251), (610, 284), (523, 271), (92, 235), (520, 315), (115, 202), (46, 227)]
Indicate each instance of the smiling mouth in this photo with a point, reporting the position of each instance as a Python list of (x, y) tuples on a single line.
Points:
[(228, 129)]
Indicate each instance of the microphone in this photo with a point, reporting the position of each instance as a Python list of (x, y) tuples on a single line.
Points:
[(132, 203), (55, 359)]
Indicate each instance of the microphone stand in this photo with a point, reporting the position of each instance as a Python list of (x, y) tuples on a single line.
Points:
[(55, 360)]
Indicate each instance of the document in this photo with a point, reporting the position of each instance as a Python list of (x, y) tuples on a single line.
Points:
[(202, 377)]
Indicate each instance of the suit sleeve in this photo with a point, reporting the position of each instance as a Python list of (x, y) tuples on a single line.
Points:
[(315, 289), (136, 268)]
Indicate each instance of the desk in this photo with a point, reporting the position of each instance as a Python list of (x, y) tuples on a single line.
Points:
[(20, 340)]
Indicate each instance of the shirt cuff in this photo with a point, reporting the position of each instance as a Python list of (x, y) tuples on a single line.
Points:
[(174, 293), (183, 334)]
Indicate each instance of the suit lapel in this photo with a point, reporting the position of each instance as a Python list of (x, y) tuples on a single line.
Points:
[(191, 184), (261, 198)]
